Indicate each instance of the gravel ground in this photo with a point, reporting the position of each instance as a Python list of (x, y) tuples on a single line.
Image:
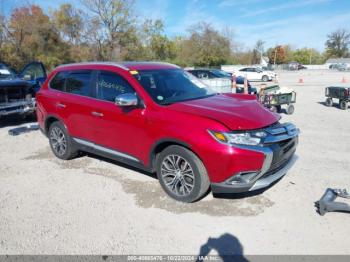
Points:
[(91, 206)]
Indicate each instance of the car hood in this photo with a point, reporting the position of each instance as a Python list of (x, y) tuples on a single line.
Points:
[(13, 82), (236, 112)]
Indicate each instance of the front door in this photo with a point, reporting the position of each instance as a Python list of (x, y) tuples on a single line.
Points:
[(119, 131)]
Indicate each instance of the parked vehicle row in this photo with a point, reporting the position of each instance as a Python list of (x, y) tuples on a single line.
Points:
[(159, 118), (218, 78), (340, 66)]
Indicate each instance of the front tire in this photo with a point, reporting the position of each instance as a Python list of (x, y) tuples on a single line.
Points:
[(343, 105), (60, 142), (265, 78), (182, 174), (290, 109)]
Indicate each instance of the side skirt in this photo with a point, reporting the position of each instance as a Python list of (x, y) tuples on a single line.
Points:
[(95, 149)]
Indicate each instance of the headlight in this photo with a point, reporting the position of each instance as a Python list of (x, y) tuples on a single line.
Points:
[(252, 138)]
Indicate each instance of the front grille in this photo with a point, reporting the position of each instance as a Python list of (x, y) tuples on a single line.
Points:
[(282, 139), (12, 93), (288, 147), (277, 167)]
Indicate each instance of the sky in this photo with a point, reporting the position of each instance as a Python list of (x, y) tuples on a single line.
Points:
[(300, 23)]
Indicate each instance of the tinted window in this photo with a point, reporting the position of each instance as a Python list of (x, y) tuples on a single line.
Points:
[(243, 70), (79, 83), (110, 85), (58, 81)]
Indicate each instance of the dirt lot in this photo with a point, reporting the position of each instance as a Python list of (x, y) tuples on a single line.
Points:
[(91, 206)]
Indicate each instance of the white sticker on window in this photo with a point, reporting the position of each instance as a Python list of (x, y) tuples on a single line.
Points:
[(160, 98)]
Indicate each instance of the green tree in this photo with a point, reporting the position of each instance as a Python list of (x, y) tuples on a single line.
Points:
[(69, 21), (32, 36), (206, 46), (157, 46), (337, 44), (307, 56), (113, 20)]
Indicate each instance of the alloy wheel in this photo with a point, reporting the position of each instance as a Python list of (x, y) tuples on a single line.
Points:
[(58, 141), (177, 175)]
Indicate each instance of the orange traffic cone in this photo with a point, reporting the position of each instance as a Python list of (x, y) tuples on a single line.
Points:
[(343, 80), (301, 80)]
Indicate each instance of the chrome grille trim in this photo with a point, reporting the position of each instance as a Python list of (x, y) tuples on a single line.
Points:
[(280, 133)]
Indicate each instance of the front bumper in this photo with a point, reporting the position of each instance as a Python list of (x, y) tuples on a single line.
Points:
[(279, 157), (18, 107)]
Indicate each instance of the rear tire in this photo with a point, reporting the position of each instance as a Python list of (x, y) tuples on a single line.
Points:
[(329, 102), (60, 142), (279, 109), (182, 174), (343, 104)]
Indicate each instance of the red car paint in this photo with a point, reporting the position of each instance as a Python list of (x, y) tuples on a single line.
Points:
[(138, 131)]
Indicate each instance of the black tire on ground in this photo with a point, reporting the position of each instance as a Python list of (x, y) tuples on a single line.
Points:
[(265, 78), (343, 104), (273, 109), (279, 109), (329, 102), (290, 109), (187, 161), (60, 142)]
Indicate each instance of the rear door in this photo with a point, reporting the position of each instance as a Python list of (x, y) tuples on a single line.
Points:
[(76, 103)]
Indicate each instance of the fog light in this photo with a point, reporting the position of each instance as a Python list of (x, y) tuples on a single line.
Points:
[(243, 178)]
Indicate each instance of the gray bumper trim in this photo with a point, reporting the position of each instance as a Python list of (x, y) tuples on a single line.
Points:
[(265, 182), (19, 107)]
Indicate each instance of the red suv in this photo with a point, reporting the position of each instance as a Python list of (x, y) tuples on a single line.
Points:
[(159, 118)]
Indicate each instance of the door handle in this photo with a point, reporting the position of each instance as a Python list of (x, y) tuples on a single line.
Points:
[(96, 114), (60, 105)]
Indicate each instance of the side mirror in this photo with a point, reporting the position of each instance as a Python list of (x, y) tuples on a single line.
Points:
[(126, 100), (27, 77)]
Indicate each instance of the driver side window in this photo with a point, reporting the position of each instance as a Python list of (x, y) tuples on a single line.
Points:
[(110, 85)]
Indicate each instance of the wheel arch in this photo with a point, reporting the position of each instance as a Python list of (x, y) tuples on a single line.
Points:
[(161, 144), (49, 120)]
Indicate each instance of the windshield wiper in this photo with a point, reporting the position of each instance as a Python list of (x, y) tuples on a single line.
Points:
[(169, 102)]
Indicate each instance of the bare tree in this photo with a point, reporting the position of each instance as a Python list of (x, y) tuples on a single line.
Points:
[(115, 18)]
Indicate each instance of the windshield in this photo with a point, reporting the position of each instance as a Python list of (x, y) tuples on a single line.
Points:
[(6, 72), (220, 73), (168, 86)]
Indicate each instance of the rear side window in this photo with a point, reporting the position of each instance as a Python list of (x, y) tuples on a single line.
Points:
[(110, 85), (58, 81), (79, 83)]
